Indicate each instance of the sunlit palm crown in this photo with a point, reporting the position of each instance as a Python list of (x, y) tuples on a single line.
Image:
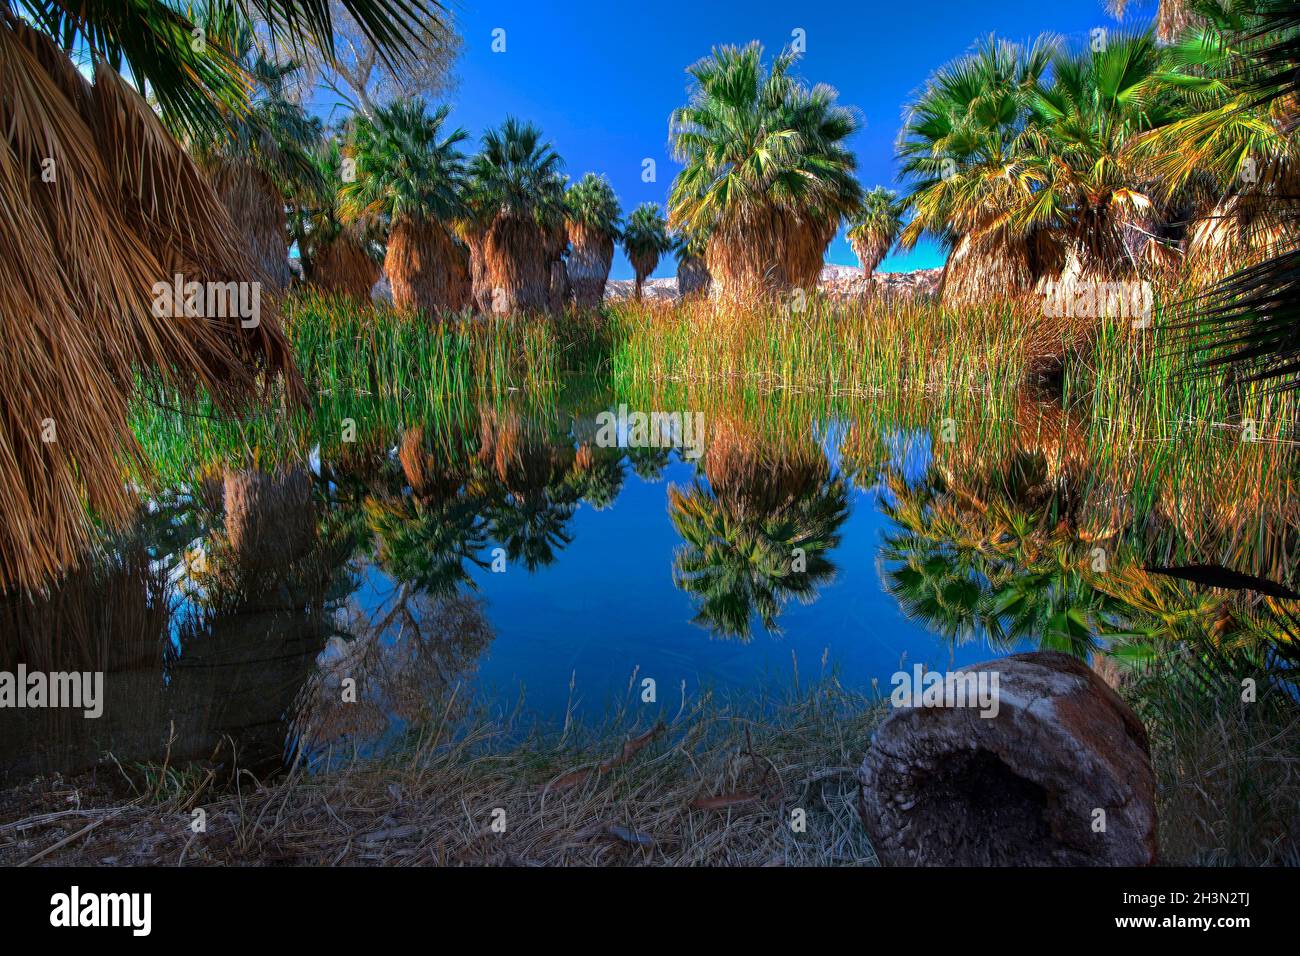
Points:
[(958, 143), (518, 173), (755, 140), (875, 228), (592, 204), (406, 165)]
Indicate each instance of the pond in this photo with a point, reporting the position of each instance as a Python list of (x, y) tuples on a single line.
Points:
[(531, 559)]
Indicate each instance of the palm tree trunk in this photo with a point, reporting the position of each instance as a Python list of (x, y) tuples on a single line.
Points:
[(420, 266), (343, 267), (692, 276), (589, 263), (257, 209), (515, 254)]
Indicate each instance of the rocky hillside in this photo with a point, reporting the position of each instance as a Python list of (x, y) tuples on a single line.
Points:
[(840, 281)]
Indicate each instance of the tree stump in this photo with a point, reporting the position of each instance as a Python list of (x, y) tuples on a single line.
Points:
[(943, 786)]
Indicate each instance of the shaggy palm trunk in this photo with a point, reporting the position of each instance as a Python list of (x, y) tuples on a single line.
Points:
[(480, 288), (420, 264), (343, 267), (589, 263), (257, 209), (561, 288), (462, 283), (644, 264), (692, 276), (870, 254), (978, 272), (518, 266), (767, 253)]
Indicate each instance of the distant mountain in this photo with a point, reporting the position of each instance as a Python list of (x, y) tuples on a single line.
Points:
[(840, 281)]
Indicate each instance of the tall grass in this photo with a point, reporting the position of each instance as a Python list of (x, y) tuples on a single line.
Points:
[(370, 372)]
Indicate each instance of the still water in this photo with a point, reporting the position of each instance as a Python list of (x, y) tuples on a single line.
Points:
[(515, 562)]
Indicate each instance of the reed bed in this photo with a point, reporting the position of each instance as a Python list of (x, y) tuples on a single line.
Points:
[(370, 372), (858, 348)]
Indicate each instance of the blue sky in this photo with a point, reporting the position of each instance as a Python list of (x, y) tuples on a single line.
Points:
[(601, 78)]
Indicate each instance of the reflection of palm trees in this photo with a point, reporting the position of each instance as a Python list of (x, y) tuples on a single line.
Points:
[(428, 545), (524, 472), (404, 656), (598, 475), (975, 558), (758, 533), (649, 463)]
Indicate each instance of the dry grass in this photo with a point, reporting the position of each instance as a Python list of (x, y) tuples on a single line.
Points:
[(713, 785), (1228, 772)]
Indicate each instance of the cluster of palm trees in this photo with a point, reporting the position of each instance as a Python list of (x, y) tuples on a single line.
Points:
[(1129, 159)]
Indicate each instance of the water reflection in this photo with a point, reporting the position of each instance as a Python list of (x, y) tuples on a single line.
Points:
[(235, 613), (757, 531)]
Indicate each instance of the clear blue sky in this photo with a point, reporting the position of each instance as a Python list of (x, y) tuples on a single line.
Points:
[(601, 78)]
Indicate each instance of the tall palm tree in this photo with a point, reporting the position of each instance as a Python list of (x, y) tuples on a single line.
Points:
[(645, 239), (958, 149), (875, 228), (593, 216), (517, 174), (262, 158), (102, 206), (337, 256), (410, 172), (766, 173)]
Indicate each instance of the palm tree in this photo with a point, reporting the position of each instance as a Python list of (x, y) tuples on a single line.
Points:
[(874, 229), (409, 171), (103, 206), (593, 227), (645, 239), (1090, 192), (337, 256), (517, 174), (262, 158), (958, 149), (766, 174), (692, 270)]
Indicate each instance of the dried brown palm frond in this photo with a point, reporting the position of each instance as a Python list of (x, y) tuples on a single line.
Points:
[(984, 268), (255, 203), (767, 251), (692, 276), (421, 267), (589, 262), (1240, 230), (517, 265), (97, 205), (343, 266)]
